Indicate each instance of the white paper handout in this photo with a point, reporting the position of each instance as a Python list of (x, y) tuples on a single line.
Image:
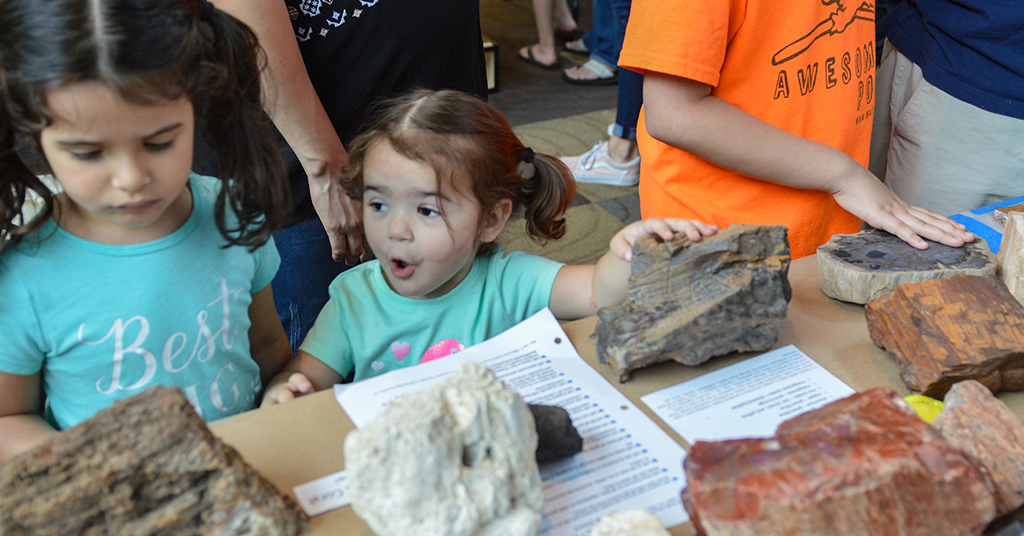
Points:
[(627, 463), (748, 399)]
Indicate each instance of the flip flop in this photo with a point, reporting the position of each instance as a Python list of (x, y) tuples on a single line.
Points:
[(528, 58), (605, 76), (582, 50)]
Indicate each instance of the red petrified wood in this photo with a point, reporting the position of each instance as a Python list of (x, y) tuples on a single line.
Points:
[(948, 330), (982, 426), (862, 465)]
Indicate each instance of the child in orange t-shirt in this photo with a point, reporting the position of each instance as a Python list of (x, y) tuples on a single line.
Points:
[(760, 112)]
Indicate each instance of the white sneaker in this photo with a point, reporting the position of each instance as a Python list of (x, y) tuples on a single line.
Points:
[(597, 166)]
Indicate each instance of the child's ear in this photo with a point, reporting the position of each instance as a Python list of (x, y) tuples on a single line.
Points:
[(495, 220)]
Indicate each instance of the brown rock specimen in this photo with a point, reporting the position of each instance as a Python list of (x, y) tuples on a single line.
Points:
[(691, 301), (860, 267), (981, 425), (948, 330), (1010, 261), (862, 465), (1001, 214), (146, 465)]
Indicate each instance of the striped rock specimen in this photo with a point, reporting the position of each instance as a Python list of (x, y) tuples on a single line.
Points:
[(146, 465), (860, 267), (981, 425), (865, 464), (1010, 261), (690, 301), (948, 330)]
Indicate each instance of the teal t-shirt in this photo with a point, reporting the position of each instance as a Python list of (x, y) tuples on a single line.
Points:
[(368, 327), (104, 322)]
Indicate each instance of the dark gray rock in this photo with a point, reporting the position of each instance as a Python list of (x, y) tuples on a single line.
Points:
[(691, 301), (557, 438)]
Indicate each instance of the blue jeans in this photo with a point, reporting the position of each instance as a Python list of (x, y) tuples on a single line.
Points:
[(307, 269), (604, 41)]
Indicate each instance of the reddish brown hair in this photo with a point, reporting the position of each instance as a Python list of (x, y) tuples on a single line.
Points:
[(470, 142)]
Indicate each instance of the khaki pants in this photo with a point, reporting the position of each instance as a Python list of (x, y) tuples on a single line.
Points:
[(936, 151)]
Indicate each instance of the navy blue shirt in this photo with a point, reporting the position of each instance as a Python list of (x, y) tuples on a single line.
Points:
[(971, 49)]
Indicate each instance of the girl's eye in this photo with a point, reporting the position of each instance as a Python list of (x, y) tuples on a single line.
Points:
[(88, 155), (377, 206), (429, 212), (157, 147)]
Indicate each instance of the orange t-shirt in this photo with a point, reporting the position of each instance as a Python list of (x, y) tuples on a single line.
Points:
[(805, 66)]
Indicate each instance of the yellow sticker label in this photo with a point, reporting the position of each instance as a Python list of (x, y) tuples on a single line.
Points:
[(926, 407)]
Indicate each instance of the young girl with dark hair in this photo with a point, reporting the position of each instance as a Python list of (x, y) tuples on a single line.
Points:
[(439, 175), (132, 271)]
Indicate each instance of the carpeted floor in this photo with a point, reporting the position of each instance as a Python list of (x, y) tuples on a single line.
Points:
[(560, 119)]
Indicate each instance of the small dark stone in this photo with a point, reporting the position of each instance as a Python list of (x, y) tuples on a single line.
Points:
[(557, 438)]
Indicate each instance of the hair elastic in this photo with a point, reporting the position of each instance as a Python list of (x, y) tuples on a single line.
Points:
[(528, 155), (207, 11)]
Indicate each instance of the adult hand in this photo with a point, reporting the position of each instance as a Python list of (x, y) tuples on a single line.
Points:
[(342, 219), (869, 199)]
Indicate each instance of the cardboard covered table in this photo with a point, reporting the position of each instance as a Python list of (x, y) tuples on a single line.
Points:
[(300, 441)]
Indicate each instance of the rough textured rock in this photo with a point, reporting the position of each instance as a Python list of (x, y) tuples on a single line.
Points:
[(557, 438), (1001, 214), (982, 426), (628, 523), (948, 330), (860, 267), (146, 465), (454, 459), (865, 464), (1010, 261), (691, 301)]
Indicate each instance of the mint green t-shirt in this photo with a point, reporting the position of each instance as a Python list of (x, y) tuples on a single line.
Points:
[(370, 328), (103, 322)]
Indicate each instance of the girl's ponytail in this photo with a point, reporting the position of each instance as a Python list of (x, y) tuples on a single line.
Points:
[(239, 132), (16, 183), (547, 188)]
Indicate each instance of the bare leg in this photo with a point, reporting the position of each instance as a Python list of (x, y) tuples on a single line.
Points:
[(622, 150), (546, 13)]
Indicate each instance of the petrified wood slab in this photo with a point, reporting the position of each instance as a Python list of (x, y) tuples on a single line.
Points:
[(981, 425), (146, 465), (865, 464), (948, 330), (1000, 214), (860, 267), (1010, 261), (691, 301)]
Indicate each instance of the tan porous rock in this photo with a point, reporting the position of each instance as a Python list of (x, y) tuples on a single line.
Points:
[(981, 425), (690, 301), (952, 329), (628, 523), (454, 459), (146, 465), (865, 464), (860, 267), (1010, 261)]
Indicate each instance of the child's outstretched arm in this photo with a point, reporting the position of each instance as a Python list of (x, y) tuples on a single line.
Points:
[(21, 427), (581, 290), (683, 113), (302, 375)]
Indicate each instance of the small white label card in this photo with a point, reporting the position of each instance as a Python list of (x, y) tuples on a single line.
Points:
[(748, 399), (323, 494)]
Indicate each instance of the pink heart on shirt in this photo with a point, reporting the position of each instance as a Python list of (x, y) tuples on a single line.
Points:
[(400, 349)]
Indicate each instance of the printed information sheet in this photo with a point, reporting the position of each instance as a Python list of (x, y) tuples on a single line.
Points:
[(627, 463), (748, 399)]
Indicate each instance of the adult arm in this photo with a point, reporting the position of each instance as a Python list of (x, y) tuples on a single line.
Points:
[(682, 113), (268, 342), (21, 427), (293, 105)]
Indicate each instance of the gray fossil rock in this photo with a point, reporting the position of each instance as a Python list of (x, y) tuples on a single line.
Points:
[(691, 301), (454, 459)]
